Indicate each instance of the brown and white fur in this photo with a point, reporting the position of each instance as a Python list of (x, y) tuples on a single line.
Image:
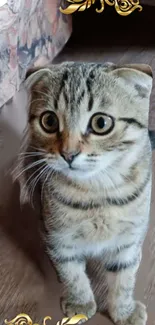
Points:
[(99, 204)]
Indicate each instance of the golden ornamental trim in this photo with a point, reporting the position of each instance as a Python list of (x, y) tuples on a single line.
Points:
[(122, 7), (24, 319)]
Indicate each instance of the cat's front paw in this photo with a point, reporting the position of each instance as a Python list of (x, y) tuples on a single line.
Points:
[(138, 316), (71, 308)]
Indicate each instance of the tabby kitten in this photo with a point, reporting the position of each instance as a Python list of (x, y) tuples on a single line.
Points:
[(88, 124)]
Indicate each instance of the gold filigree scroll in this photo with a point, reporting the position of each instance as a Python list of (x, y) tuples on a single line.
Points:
[(126, 7), (77, 5), (122, 7), (24, 319), (74, 320)]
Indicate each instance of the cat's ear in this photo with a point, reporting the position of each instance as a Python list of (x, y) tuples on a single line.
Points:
[(140, 76), (145, 68), (34, 75)]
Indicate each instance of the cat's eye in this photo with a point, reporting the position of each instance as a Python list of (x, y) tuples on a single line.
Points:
[(49, 122), (101, 124)]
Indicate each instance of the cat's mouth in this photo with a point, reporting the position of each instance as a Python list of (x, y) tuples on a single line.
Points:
[(73, 168), (76, 172)]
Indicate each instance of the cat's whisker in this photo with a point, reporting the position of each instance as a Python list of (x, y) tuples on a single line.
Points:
[(17, 166), (38, 149), (29, 167), (36, 171), (23, 155), (49, 172), (25, 160), (29, 153), (27, 156), (26, 184), (35, 182)]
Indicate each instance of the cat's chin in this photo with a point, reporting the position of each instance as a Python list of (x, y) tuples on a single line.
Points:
[(78, 174)]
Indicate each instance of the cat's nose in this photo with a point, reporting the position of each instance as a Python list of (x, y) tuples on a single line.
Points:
[(69, 156)]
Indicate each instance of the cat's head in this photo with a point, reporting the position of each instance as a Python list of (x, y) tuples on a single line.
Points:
[(85, 117)]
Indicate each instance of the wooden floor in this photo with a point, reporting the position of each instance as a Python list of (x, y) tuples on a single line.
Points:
[(110, 37)]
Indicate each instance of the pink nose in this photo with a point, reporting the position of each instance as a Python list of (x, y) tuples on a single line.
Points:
[(69, 156)]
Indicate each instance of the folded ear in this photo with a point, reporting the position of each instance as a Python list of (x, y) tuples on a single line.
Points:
[(137, 75), (31, 71), (35, 74), (145, 68)]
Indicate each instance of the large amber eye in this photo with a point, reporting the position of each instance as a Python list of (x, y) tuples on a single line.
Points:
[(101, 124), (49, 122)]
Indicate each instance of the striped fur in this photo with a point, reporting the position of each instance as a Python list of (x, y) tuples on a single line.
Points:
[(99, 205)]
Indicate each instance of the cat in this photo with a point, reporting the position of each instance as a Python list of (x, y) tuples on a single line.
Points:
[(88, 149)]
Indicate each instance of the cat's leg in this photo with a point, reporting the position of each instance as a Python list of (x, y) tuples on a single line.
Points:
[(121, 276), (78, 297)]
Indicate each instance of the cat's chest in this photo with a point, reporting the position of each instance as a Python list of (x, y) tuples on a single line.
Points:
[(92, 237), (79, 223), (90, 226), (99, 227), (94, 227)]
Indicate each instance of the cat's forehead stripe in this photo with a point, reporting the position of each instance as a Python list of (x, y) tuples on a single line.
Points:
[(61, 88), (74, 86)]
